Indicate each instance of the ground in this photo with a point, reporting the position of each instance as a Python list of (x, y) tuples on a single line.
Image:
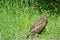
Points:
[(15, 23)]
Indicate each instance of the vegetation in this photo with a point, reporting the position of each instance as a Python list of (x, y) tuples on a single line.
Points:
[(17, 17)]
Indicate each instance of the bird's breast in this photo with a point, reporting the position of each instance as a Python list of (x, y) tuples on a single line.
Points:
[(40, 27)]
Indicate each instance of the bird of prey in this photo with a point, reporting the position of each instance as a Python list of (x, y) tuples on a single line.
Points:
[(39, 25)]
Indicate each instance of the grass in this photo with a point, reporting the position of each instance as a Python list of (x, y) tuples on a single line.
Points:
[(15, 23)]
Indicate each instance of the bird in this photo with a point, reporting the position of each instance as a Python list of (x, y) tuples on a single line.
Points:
[(39, 26)]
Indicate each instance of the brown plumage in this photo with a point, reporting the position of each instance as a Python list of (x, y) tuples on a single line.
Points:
[(39, 26)]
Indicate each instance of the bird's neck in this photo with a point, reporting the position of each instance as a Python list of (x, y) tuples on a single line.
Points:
[(45, 19)]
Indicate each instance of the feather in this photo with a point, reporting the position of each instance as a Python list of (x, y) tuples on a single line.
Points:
[(39, 25)]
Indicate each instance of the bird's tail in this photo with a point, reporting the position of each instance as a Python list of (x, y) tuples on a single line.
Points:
[(27, 37)]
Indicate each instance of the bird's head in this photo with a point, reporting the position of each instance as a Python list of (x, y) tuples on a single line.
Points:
[(45, 16)]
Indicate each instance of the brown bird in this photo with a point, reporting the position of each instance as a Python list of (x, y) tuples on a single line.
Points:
[(39, 26)]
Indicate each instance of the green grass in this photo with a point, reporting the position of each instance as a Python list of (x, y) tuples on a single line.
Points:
[(16, 22)]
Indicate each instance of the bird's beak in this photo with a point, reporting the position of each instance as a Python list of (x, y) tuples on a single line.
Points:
[(47, 15)]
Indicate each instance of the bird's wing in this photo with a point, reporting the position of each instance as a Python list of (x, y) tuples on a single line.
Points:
[(38, 23)]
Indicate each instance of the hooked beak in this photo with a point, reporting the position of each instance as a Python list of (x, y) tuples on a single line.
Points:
[(47, 15)]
